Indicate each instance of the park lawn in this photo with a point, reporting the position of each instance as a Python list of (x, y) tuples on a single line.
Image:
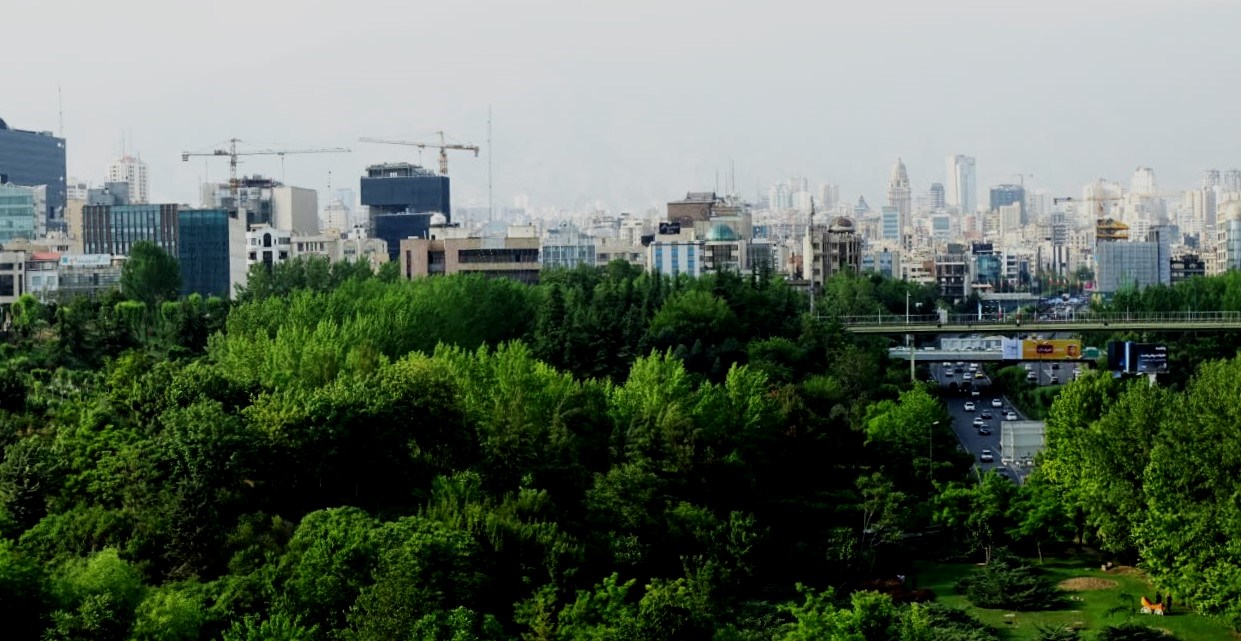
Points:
[(1089, 610)]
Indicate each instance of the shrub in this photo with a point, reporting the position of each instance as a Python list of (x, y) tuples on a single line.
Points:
[(1008, 582), (1133, 632)]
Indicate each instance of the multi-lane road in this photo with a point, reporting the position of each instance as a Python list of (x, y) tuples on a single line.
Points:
[(963, 420)]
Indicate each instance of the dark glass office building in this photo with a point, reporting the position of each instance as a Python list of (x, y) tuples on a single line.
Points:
[(393, 228), (395, 188), (202, 250), (1002, 195), (30, 159)]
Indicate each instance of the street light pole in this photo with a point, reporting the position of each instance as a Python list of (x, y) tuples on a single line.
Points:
[(930, 452)]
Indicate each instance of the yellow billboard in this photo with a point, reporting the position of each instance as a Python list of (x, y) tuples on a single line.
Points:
[(1050, 350)]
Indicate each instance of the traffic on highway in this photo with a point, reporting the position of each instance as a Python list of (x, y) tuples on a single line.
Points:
[(977, 414)]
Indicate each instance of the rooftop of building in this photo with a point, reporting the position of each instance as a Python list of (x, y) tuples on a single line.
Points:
[(398, 170)]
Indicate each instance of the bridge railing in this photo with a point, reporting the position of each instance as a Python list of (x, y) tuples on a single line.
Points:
[(1099, 318)]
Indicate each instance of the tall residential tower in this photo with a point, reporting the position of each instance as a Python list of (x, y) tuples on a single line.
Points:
[(131, 170), (962, 184)]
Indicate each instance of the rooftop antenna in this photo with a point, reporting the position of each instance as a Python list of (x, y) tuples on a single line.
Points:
[(60, 109), (491, 203)]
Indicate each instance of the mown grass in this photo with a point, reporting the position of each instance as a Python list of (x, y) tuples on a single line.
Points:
[(1088, 610)]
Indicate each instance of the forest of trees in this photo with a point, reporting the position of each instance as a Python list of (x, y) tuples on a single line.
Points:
[(606, 455)]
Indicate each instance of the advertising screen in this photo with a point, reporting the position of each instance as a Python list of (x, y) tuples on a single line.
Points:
[(1049, 350), (1146, 358)]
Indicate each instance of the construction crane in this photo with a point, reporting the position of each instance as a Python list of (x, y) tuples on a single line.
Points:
[(232, 154), (443, 146)]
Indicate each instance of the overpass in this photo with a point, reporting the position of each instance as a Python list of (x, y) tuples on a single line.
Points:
[(1084, 322)]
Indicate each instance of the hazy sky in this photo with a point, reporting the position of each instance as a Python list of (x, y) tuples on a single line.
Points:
[(634, 103)]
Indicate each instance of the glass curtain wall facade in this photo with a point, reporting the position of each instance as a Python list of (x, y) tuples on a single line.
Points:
[(31, 159), (17, 212), (393, 228), (203, 251), (114, 230)]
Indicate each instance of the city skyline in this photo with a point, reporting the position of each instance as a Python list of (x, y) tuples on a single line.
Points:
[(630, 106)]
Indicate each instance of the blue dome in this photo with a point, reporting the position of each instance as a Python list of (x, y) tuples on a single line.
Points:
[(720, 231)]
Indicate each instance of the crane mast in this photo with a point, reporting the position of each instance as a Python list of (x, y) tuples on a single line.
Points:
[(233, 153), (443, 146)]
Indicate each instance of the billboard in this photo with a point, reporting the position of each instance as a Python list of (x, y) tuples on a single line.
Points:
[(1137, 358), (1050, 350), (1146, 358)]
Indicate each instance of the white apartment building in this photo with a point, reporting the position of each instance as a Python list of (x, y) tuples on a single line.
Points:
[(131, 170)]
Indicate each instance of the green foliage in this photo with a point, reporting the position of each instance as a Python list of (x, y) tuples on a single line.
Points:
[(22, 596), (96, 598), (169, 613), (1133, 632), (277, 627), (1008, 582), (150, 274), (1059, 633)]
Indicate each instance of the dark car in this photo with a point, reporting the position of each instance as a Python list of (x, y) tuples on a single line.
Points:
[(986, 414), (984, 431)]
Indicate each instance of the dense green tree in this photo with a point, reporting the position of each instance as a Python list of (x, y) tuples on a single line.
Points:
[(22, 594), (150, 274)]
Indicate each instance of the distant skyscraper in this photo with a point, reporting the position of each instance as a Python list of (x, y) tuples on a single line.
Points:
[(899, 193), (128, 169), (829, 194), (1232, 180), (1210, 178), (1006, 195), (937, 199), (780, 197), (1143, 182), (962, 183)]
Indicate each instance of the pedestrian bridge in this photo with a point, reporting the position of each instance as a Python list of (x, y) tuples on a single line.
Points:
[(1084, 322)]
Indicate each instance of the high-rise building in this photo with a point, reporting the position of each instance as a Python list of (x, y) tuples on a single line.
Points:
[(1210, 178), (1231, 181), (402, 188), (210, 242), (937, 198), (30, 159), (17, 212), (829, 195), (1002, 195), (1038, 204), (899, 193), (336, 216), (891, 223), (962, 186), (1143, 182), (131, 170), (1134, 264)]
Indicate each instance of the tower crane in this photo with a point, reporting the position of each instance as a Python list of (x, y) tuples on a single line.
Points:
[(233, 153), (443, 146)]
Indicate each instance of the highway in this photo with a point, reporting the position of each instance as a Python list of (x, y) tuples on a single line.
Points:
[(962, 421)]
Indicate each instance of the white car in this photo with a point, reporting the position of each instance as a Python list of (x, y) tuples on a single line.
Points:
[(1029, 367), (1011, 416), (978, 422), (986, 456), (995, 402), (969, 406)]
